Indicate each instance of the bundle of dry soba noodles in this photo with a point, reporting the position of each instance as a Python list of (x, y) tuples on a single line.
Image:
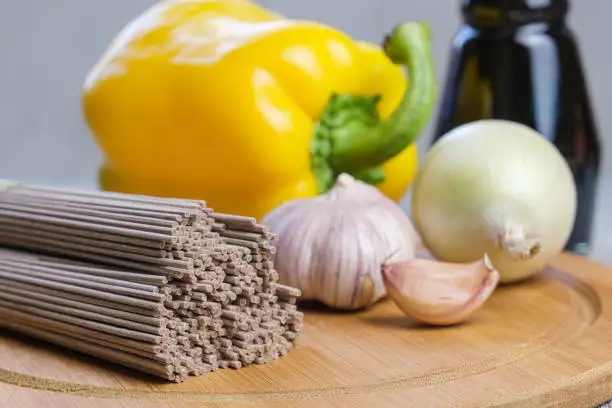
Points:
[(165, 286)]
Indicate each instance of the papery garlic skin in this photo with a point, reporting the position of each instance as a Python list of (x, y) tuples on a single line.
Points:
[(332, 247), (440, 293), (495, 187)]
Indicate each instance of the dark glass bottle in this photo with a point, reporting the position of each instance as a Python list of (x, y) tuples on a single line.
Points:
[(518, 60)]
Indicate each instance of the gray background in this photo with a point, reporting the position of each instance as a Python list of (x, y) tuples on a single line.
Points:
[(48, 46)]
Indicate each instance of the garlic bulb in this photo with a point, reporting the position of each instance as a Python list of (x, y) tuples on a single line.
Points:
[(495, 187), (440, 293), (332, 246)]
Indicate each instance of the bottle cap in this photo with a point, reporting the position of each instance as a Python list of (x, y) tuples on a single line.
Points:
[(504, 13)]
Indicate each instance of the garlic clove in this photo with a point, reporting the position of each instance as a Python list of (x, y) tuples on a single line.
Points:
[(439, 293)]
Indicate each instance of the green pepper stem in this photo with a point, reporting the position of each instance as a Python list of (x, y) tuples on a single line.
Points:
[(350, 136), (410, 45)]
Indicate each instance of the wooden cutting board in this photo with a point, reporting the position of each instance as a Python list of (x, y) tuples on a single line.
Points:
[(542, 343)]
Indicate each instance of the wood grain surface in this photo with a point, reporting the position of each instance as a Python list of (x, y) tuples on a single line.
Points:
[(543, 343)]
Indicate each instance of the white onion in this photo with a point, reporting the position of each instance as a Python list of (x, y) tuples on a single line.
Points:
[(495, 187)]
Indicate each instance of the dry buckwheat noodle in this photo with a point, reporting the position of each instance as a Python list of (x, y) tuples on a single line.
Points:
[(164, 286)]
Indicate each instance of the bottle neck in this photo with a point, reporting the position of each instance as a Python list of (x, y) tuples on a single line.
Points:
[(512, 13)]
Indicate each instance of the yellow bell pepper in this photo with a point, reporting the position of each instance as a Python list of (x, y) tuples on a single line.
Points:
[(225, 101)]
